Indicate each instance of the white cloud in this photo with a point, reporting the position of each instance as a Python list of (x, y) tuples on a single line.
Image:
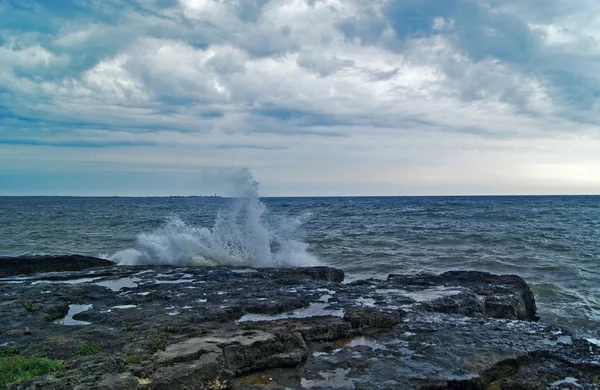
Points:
[(281, 86)]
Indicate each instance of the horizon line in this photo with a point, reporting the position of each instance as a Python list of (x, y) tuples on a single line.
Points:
[(296, 196)]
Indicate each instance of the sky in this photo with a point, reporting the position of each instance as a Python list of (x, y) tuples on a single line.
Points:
[(314, 97)]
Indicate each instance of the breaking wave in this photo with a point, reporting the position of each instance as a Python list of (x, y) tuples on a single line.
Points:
[(241, 236)]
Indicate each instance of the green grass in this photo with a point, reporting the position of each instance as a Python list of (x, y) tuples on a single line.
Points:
[(30, 307), (249, 326), (87, 349), (169, 329), (9, 351), (19, 368), (156, 343), (131, 359), (128, 327)]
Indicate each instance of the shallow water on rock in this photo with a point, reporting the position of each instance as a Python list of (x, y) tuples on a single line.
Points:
[(73, 310), (315, 309), (118, 284)]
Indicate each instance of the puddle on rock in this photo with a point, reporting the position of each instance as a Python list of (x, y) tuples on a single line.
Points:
[(177, 281), (67, 281), (331, 380), (594, 341), (244, 271), (315, 309), (74, 309), (124, 307), (325, 298), (560, 340), (260, 380), (117, 284), (366, 302), (427, 295), (359, 342), (567, 381)]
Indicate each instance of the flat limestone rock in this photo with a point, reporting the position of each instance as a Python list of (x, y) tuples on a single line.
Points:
[(188, 350), (10, 266), (161, 327)]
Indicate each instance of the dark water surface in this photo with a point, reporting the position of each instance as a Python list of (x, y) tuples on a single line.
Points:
[(552, 242)]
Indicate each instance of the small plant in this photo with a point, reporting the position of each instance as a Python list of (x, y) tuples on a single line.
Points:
[(169, 329), (20, 368), (30, 307), (128, 327), (131, 359), (87, 349), (157, 343), (9, 351), (249, 326)]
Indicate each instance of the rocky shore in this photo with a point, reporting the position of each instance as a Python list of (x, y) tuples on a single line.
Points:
[(172, 328)]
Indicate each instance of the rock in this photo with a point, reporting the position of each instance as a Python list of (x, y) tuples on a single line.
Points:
[(164, 327), (368, 317), (477, 293), (185, 351), (56, 311), (10, 266), (124, 381), (204, 373), (259, 350)]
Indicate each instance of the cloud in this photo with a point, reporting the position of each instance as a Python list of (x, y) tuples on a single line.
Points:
[(389, 92)]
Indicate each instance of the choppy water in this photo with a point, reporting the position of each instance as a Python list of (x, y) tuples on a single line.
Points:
[(552, 242)]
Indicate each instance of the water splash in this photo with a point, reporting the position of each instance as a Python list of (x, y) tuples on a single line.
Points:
[(241, 236)]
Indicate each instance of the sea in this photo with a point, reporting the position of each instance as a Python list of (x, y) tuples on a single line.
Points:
[(553, 242)]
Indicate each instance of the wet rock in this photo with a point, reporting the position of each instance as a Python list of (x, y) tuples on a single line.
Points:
[(173, 328), (368, 317), (124, 381), (258, 350), (204, 373), (56, 311), (188, 350), (10, 266), (478, 293)]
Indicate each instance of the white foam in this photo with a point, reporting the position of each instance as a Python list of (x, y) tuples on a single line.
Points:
[(242, 235)]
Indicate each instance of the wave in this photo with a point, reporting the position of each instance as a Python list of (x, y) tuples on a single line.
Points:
[(241, 236)]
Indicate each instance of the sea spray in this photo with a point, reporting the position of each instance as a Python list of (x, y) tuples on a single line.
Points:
[(241, 236)]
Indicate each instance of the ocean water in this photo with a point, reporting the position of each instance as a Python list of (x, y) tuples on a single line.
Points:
[(553, 242)]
